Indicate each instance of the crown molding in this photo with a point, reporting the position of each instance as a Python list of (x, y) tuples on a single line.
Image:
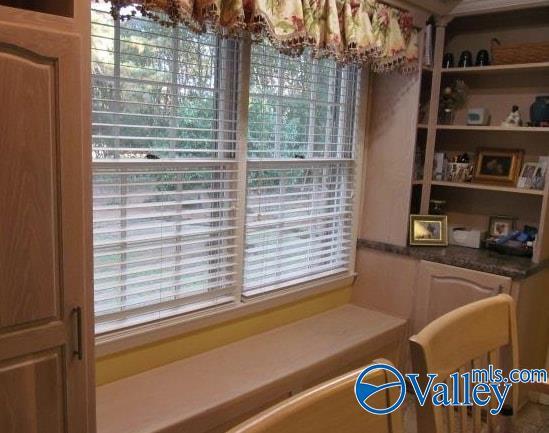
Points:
[(477, 7), (436, 7)]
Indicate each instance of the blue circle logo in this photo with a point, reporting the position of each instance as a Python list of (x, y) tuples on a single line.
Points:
[(364, 390)]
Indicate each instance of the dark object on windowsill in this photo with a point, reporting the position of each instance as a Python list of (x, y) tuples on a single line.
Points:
[(152, 156), (297, 156)]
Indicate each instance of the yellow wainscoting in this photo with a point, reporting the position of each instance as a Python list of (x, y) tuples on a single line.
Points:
[(127, 363)]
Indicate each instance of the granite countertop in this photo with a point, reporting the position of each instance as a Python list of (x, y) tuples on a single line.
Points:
[(482, 260)]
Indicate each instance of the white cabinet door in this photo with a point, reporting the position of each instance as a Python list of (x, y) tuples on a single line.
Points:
[(442, 288)]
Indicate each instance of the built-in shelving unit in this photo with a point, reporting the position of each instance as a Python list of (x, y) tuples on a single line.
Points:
[(497, 88)]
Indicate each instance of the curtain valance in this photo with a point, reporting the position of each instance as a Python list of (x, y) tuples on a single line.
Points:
[(350, 31)]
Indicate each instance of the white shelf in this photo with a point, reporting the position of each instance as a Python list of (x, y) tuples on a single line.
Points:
[(498, 69), (524, 129), (422, 126), (485, 187)]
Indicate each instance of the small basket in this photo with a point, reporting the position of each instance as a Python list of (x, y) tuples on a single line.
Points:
[(520, 53)]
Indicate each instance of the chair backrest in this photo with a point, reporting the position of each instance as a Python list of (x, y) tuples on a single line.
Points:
[(469, 337), (328, 408)]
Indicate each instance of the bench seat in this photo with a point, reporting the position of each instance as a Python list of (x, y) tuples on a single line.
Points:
[(215, 390)]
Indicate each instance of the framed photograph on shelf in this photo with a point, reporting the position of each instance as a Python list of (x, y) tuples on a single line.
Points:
[(527, 175), (501, 226), (429, 230), (540, 176), (498, 166)]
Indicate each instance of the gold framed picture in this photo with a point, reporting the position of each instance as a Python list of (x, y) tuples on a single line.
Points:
[(429, 230), (498, 166)]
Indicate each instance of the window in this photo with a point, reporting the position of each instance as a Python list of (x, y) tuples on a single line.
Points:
[(300, 169), (182, 220)]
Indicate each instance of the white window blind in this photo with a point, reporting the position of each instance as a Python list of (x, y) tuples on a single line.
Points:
[(300, 176), (183, 217), (165, 176)]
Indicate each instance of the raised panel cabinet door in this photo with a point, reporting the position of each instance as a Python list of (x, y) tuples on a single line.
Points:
[(442, 288), (44, 252)]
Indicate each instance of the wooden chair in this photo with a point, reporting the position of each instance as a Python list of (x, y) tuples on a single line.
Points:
[(468, 337), (328, 408)]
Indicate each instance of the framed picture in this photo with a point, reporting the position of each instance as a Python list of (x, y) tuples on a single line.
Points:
[(498, 166), (501, 226), (540, 175), (429, 230), (529, 171)]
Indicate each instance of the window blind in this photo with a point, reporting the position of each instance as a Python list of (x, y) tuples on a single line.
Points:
[(300, 178), (164, 170)]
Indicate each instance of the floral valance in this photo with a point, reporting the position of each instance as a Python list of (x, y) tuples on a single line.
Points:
[(350, 31)]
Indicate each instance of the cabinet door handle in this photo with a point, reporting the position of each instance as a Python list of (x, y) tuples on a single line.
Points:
[(77, 314), (500, 289)]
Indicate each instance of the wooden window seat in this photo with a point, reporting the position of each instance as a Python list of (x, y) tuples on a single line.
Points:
[(215, 390)]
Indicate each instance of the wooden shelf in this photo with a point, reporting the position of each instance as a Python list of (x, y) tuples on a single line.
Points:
[(485, 187), (417, 182), (499, 69), (492, 128), (422, 126)]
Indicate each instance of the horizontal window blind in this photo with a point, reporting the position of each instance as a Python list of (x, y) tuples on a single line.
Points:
[(165, 175), (300, 180)]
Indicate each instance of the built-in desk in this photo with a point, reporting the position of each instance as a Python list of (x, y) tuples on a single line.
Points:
[(516, 268), (423, 283), (215, 390)]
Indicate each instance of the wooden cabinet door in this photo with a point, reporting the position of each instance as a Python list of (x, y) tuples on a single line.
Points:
[(442, 288), (44, 248)]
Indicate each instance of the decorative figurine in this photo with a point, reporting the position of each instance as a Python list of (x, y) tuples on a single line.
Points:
[(448, 60), (513, 119), (466, 59), (452, 98), (483, 58), (539, 111)]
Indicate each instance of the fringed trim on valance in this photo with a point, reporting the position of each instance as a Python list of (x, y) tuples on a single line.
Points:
[(363, 32)]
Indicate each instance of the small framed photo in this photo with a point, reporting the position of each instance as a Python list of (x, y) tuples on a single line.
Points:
[(528, 174), (541, 173), (429, 230), (532, 175), (498, 166), (501, 226)]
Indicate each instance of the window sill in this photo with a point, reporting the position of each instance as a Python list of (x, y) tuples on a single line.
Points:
[(119, 341)]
